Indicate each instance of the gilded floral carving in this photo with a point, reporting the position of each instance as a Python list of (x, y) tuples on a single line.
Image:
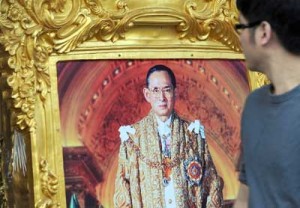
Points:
[(213, 21), (19, 35), (261, 79), (49, 183), (257, 80)]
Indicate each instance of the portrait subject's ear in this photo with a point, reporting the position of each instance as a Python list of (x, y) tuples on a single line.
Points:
[(146, 92), (175, 93)]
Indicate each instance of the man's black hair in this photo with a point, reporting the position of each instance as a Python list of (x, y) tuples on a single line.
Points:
[(158, 68), (282, 15)]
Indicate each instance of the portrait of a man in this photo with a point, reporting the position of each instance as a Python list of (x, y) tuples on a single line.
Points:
[(164, 160), (140, 133)]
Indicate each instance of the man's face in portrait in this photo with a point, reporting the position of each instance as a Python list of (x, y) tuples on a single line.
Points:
[(160, 94)]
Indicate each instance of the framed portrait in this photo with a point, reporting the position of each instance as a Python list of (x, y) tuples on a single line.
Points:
[(97, 97), (72, 72)]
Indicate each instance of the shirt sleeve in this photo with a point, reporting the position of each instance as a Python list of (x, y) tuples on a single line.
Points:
[(122, 191)]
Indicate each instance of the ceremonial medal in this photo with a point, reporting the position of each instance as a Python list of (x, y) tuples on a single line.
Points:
[(165, 182), (193, 171), (167, 169)]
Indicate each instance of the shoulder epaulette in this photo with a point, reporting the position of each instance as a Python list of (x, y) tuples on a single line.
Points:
[(125, 131), (197, 128)]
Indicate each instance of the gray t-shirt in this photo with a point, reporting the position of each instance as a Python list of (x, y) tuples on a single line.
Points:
[(270, 163)]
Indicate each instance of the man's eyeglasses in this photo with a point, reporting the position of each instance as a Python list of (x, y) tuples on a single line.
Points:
[(166, 91), (239, 27)]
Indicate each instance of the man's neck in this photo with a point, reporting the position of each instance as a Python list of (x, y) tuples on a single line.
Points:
[(163, 118), (284, 72)]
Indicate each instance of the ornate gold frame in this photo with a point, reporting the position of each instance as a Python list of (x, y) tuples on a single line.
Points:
[(35, 35)]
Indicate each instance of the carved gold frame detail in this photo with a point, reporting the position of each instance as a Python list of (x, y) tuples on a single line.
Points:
[(35, 35)]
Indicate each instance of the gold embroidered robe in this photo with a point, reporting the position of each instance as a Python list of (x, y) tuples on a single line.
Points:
[(140, 184)]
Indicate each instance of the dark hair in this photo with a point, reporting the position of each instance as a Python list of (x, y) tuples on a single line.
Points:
[(158, 68), (283, 16)]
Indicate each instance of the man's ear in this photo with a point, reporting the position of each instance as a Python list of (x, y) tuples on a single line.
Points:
[(146, 94), (175, 93), (265, 33)]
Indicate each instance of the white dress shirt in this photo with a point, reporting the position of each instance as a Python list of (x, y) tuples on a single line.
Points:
[(165, 129)]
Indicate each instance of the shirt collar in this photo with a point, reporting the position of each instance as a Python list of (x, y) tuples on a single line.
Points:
[(164, 127), (164, 123)]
